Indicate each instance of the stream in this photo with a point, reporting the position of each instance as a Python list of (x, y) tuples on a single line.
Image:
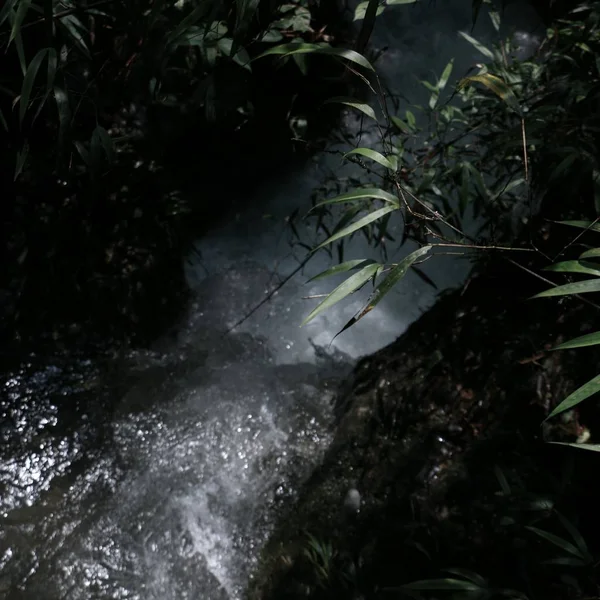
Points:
[(158, 474)]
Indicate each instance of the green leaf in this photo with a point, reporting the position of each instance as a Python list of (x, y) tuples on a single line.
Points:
[(64, 116), (350, 285), (6, 10), (28, 82), (342, 268), (502, 480), (301, 48), (377, 214), (401, 125), (361, 9), (592, 253), (442, 585), (75, 28), (496, 85), (576, 535), (580, 287), (579, 395), (477, 45), (18, 20), (394, 276), (373, 155), (52, 66), (364, 108), (592, 447), (590, 339), (188, 21), (467, 574), (556, 540), (361, 194), (588, 225), (574, 266), (445, 76)]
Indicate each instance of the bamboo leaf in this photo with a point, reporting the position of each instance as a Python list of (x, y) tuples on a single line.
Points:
[(361, 106), (188, 21), (576, 535), (567, 561), (592, 447), (477, 45), (574, 266), (6, 10), (21, 160), (342, 268), (592, 253), (590, 339), (556, 540), (302, 48), (579, 395), (496, 85), (373, 155), (377, 214), (361, 194), (442, 585), (343, 290), (361, 9), (467, 574), (18, 20), (580, 287), (445, 76), (588, 225), (393, 277), (28, 82)]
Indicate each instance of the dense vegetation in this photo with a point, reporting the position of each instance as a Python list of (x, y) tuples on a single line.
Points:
[(105, 107), (120, 120), (506, 170)]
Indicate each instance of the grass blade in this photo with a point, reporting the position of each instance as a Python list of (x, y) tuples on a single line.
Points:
[(18, 20)]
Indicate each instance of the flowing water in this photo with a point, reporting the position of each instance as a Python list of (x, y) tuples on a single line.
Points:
[(158, 474)]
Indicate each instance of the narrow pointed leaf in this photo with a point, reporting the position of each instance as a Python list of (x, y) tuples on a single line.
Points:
[(393, 277), (301, 48), (377, 214), (574, 266), (352, 102), (556, 540), (591, 225), (343, 267), (361, 194), (445, 76), (467, 574), (477, 45), (580, 287), (401, 125), (373, 155), (343, 290), (592, 253), (52, 66), (568, 561), (576, 535), (6, 9), (590, 339), (496, 85), (18, 20), (579, 395), (592, 447), (28, 82), (442, 585)]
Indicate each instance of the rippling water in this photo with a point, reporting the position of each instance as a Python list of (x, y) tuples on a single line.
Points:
[(158, 474)]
